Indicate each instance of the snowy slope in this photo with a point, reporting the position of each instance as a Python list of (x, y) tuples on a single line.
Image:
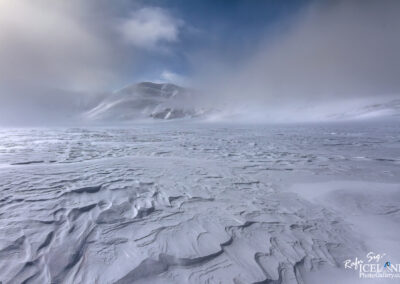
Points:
[(145, 100), (375, 110), (149, 100)]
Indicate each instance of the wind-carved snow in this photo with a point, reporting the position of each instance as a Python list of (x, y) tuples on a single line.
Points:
[(186, 203)]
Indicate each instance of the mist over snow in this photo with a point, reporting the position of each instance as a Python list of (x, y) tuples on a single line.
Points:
[(308, 61), (58, 58), (331, 57)]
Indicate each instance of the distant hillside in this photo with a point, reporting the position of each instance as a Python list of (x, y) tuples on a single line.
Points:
[(376, 110), (146, 100)]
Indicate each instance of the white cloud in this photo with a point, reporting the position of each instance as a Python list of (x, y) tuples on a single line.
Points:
[(339, 51), (171, 77), (149, 27), (53, 54)]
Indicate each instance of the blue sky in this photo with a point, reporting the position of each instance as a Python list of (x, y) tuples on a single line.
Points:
[(97, 45), (292, 48), (268, 54), (223, 28)]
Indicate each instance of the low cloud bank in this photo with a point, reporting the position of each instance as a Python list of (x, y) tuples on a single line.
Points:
[(331, 57)]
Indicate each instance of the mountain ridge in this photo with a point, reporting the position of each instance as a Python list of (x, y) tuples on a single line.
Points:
[(166, 101), (147, 100)]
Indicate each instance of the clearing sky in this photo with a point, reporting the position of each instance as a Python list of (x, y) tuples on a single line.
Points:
[(55, 53)]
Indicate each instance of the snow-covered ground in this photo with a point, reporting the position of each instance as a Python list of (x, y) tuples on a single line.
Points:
[(197, 203)]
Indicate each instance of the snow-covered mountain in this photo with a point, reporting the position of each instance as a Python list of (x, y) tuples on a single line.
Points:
[(389, 108), (147, 100)]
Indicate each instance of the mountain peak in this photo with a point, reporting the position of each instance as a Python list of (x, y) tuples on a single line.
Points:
[(146, 100)]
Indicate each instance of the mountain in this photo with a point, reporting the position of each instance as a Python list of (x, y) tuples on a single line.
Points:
[(147, 100), (376, 110)]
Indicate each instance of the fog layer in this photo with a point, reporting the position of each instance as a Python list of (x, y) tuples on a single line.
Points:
[(331, 57)]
